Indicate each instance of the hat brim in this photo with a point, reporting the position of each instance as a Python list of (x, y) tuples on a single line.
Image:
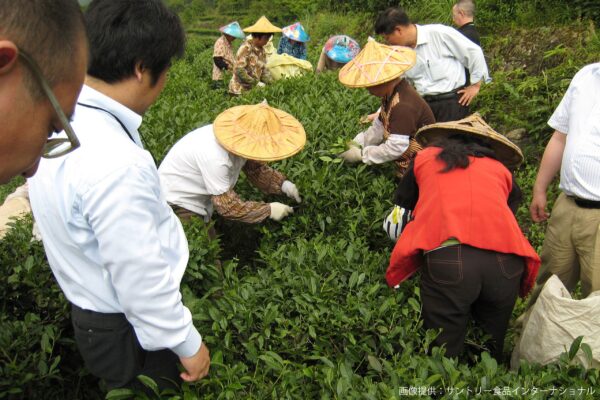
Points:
[(506, 151), (235, 140)]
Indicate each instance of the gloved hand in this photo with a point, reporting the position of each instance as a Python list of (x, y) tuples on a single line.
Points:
[(291, 191), (279, 211), (261, 84), (352, 155)]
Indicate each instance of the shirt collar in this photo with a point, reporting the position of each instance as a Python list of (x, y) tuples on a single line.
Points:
[(128, 117), (422, 35)]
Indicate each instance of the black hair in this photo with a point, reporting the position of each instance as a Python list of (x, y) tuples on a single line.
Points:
[(457, 148), (260, 35), (48, 31), (387, 20), (123, 33)]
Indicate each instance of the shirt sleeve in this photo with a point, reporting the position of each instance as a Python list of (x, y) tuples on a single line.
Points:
[(390, 150), (560, 118), (265, 178), (372, 136), (122, 211), (230, 206), (216, 175), (240, 66), (468, 53)]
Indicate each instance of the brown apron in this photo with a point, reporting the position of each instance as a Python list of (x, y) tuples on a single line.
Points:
[(413, 146)]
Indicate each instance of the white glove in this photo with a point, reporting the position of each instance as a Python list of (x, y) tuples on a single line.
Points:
[(291, 191), (352, 155), (261, 84), (279, 211)]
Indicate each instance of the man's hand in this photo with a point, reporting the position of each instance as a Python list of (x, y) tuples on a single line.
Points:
[(196, 366), (537, 208), (352, 155), (468, 94)]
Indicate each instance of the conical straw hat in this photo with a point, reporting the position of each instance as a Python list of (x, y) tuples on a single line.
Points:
[(376, 64), (506, 151), (259, 132), (263, 25), (296, 32), (233, 29)]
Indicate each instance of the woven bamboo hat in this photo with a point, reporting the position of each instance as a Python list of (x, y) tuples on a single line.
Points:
[(376, 64), (259, 132), (263, 25), (507, 152)]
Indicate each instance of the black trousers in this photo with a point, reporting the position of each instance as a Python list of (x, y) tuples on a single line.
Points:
[(460, 281), (447, 109), (112, 352)]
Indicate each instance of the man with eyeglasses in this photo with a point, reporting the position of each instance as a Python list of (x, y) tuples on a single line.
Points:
[(39, 80), (114, 245)]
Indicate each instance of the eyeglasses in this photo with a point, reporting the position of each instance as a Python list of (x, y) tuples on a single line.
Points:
[(55, 147)]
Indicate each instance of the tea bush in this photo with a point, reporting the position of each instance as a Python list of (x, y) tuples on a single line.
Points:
[(299, 309)]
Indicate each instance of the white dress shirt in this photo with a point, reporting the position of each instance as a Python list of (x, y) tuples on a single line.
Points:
[(113, 243), (443, 53), (578, 116), (377, 150), (196, 168)]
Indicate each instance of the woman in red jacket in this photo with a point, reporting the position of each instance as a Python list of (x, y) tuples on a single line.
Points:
[(464, 235)]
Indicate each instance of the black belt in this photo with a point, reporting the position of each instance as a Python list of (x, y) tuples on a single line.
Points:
[(583, 203), (443, 96)]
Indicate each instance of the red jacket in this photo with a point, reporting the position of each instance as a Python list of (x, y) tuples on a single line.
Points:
[(467, 204)]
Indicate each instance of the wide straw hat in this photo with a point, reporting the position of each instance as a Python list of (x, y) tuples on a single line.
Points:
[(376, 64), (341, 48), (263, 25), (506, 151), (259, 132), (296, 32), (233, 29)]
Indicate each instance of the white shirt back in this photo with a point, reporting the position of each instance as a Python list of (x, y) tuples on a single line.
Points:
[(578, 116), (196, 168)]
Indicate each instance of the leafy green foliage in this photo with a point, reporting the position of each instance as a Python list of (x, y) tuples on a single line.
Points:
[(299, 309)]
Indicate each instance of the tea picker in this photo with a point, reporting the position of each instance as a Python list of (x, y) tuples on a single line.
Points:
[(223, 57), (200, 172), (464, 236), (293, 41), (380, 69), (250, 68)]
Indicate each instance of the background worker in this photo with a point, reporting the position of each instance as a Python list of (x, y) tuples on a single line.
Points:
[(251, 60), (223, 57), (113, 243), (381, 69), (463, 15), (40, 78), (442, 56), (293, 41), (200, 171), (337, 52)]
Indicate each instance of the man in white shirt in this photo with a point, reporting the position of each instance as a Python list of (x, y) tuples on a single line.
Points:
[(114, 245), (442, 56), (43, 57), (571, 247), (200, 171)]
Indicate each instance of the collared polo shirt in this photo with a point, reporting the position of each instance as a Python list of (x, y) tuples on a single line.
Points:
[(443, 53), (578, 116), (112, 241)]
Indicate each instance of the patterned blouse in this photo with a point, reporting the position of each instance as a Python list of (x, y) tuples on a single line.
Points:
[(294, 49), (222, 49), (250, 68)]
